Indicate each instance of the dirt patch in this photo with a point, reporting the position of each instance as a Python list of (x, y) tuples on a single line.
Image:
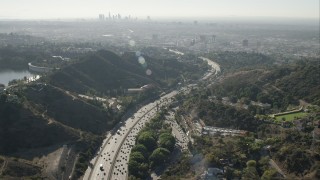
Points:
[(48, 158)]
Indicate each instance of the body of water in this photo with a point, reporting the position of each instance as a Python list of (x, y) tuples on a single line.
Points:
[(8, 75)]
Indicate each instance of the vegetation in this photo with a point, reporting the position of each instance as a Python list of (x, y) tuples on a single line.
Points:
[(18, 58), (217, 114), (279, 86), (107, 73), (293, 148), (179, 169), (291, 116), (75, 112), (18, 122), (153, 148), (17, 168), (237, 61)]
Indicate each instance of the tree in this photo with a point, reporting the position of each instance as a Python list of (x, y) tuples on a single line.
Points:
[(138, 157), (250, 172), (140, 148), (146, 139), (251, 163), (166, 140), (139, 170), (269, 174), (159, 156)]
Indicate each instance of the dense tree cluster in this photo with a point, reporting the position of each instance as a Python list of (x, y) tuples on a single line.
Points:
[(154, 145)]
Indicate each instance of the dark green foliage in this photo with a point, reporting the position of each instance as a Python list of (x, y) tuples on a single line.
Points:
[(179, 169), (224, 116), (87, 147), (166, 140), (147, 153), (138, 157), (303, 82), (159, 156), (141, 149), (17, 123), (269, 174), (18, 58), (70, 111), (139, 170), (278, 86), (146, 138), (105, 72)]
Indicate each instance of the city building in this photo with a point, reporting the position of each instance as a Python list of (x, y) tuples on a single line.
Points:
[(245, 43), (101, 17), (2, 87)]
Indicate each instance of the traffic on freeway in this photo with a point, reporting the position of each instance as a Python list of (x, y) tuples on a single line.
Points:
[(111, 161)]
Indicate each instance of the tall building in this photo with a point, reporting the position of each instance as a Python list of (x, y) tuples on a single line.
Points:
[(213, 38), (245, 43), (101, 17)]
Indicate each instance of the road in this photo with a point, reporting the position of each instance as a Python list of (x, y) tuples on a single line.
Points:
[(114, 154), (182, 139), (111, 161), (215, 66)]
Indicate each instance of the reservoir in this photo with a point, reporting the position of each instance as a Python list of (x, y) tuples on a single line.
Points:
[(8, 75)]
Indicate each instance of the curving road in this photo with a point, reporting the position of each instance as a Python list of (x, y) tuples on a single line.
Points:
[(114, 154)]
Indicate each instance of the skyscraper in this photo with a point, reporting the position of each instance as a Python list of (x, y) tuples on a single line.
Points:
[(245, 43), (101, 17)]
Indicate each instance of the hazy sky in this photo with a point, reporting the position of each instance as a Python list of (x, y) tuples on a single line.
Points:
[(42, 9)]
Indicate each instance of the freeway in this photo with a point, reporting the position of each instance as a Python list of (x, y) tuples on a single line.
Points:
[(112, 159), (215, 66), (114, 154), (182, 139)]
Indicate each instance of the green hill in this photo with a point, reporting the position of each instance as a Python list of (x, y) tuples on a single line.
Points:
[(105, 72), (278, 85), (21, 129)]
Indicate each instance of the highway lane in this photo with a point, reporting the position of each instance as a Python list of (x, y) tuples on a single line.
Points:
[(120, 170), (116, 148), (114, 154), (182, 139)]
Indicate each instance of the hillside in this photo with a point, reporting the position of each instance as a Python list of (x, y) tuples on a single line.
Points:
[(105, 72), (68, 109), (41, 121), (277, 149), (18, 122), (279, 86), (236, 61)]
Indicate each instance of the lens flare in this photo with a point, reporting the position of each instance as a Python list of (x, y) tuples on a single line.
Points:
[(132, 43), (141, 60), (138, 53), (148, 72)]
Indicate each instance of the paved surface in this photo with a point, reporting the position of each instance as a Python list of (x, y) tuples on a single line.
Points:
[(181, 138), (112, 159), (114, 154)]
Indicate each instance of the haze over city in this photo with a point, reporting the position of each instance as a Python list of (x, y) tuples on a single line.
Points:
[(159, 89), (46, 9)]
